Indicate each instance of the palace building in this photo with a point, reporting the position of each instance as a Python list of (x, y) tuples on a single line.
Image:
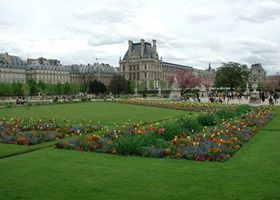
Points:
[(141, 63), (13, 69)]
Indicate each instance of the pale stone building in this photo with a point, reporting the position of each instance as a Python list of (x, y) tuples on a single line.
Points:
[(12, 69), (47, 71), (141, 62), (257, 72), (98, 71)]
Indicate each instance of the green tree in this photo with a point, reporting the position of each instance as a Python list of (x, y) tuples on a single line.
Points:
[(162, 84), (75, 88), (128, 87), (58, 88), (25, 90), (117, 85), (97, 87), (132, 85), (85, 80), (151, 85), (17, 88), (232, 75), (50, 88), (142, 86), (32, 86), (67, 88), (41, 86), (7, 89)]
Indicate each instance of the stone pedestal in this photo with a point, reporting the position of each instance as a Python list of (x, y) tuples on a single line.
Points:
[(254, 96), (175, 94), (135, 93), (159, 95)]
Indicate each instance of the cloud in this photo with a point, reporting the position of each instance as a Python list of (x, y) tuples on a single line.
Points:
[(259, 11), (6, 24)]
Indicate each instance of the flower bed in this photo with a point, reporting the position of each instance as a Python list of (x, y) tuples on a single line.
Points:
[(30, 132), (218, 144)]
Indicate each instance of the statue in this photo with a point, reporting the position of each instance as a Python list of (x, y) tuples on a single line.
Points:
[(175, 84), (175, 91)]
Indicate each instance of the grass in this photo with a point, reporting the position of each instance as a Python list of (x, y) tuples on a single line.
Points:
[(105, 112), (50, 173)]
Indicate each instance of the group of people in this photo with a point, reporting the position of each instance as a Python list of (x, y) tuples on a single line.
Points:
[(273, 97), (20, 101)]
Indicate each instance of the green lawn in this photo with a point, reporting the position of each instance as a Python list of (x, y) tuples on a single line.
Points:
[(49, 173)]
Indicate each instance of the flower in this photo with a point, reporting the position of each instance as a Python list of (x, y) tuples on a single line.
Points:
[(161, 130)]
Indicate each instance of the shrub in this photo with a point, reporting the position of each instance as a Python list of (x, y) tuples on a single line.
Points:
[(207, 119), (189, 125), (133, 144), (171, 128), (226, 113)]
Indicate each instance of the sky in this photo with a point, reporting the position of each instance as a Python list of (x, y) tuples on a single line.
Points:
[(188, 32)]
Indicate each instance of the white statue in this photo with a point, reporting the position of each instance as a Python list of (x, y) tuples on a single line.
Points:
[(175, 84)]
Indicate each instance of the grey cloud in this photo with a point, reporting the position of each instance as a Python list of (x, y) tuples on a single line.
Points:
[(263, 11)]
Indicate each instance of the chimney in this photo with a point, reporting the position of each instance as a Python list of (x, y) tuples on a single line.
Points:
[(129, 47), (154, 46), (142, 47)]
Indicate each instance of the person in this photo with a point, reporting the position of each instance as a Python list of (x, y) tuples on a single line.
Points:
[(262, 96), (17, 101), (275, 97), (270, 100)]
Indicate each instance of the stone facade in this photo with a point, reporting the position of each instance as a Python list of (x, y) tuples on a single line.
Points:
[(141, 63), (14, 69), (47, 71), (257, 73)]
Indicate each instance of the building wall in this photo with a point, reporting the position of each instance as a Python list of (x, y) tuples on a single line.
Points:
[(141, 63)]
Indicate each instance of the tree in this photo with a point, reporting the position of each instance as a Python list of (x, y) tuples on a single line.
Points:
[(75, 88), (17, 88), (151, 85), (128, 87), (142, 86), (85, 80), (32, 86), (97, 87), (50, 89), (58, 88), (66, 88), (132, 85), (42, 88), (25, 90), (162, 84), (186, 80), (117, 85), (232, 75)]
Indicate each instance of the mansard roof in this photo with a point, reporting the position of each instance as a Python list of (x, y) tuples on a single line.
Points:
[(136, 50), (13, 61), (47, 64), (172, 66), (96, 68), (3, 63)]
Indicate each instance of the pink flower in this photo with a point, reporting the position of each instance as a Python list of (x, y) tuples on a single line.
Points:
[(161, 130)]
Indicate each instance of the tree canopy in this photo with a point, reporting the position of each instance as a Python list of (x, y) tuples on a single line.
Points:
[(232, 75), (97, 87), (186, 80), (117, 85)]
